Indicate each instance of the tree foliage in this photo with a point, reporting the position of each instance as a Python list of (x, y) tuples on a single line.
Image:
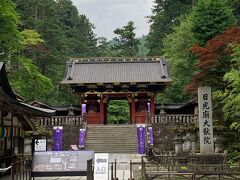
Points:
[(209, 18), (28, 81), (229, 98), (65, 34), (118, 112), (176, 49), (9, 33), (214, 59), (126, 44), (165, 16)]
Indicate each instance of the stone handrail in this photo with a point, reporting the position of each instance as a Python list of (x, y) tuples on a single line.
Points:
[(61, 120), (174, 119)]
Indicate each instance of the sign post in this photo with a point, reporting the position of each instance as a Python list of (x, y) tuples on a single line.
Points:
[(40, 145), (205, 120), (101, 166)]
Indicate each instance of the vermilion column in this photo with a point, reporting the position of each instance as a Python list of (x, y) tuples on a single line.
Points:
[(102, 111), (133, 109), (152, 107)]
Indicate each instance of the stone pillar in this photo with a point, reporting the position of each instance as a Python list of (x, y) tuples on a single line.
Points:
[(188, 142), (193, 140), (178, 141), (218, 142)]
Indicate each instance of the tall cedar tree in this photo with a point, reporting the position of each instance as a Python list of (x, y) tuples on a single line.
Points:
[(165, 16), (214, 60), (209, 18), (66, 34), (126, 44)]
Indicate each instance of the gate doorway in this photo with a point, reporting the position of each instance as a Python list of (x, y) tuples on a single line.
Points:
[(118, 112)]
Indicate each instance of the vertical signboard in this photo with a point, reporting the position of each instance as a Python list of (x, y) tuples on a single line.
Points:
[(101, 166), (84, 109), (82, 134), (57, 138), (205, 120), (141, 139), (150, 133)]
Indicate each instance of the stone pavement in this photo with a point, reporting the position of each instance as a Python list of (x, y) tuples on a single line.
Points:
[(123, 164), (123, 168)]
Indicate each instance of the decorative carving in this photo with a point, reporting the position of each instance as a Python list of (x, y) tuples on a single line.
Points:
[(105, 98), (109, 86), (142, 86), (92, 87), (129, 97)]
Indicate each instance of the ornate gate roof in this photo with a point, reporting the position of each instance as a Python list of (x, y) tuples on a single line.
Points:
[(116, 70)]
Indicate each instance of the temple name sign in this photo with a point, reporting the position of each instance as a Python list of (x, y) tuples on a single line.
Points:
[(205, 120)]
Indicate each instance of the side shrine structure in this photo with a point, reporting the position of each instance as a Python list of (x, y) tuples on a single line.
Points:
[(99, 80)]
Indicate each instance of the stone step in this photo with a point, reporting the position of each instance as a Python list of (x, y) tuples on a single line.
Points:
[(112, 138)]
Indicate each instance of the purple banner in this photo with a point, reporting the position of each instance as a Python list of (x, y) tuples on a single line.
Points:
[(57, 138), (84, 109), (141, 139), (82, 134), (150, 132)]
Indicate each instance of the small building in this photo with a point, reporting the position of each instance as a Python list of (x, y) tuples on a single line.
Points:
[(16, 118)]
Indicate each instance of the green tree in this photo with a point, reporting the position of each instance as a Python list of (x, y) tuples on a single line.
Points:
[(142, 48), (165, 16), (28, 81), (118, 112), (235, 5), (176, 49), (125, 43), (9, 33), (104, 47), (230, 100), (66, 34), (209, 18)]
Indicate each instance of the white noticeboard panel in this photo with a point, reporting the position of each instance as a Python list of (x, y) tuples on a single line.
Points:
[(205, 120), (101, 166), (40, 144)]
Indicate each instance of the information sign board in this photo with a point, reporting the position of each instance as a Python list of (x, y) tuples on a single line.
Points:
[(40, 144), (101, 166), (60, 163)]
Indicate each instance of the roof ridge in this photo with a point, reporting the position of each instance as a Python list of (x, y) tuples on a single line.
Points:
[(117, 59)]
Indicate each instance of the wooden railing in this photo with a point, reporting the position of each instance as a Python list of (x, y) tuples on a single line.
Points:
[(181, 119), (62, 120)]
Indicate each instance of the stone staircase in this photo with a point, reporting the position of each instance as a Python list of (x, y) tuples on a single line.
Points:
[(112, 138)]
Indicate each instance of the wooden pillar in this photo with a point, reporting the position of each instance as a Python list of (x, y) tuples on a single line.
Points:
[(152, 107), (133, 111), (11, 138)]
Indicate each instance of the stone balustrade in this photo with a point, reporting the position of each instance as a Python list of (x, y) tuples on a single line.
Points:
[(61, 120), (181, 119)]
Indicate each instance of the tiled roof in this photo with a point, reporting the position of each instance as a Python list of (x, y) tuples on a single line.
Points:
[(116, 70)]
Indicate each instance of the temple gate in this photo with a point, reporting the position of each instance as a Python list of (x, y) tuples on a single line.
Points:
[(99, 80)]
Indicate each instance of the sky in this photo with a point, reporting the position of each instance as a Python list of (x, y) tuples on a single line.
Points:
[(108, 15)]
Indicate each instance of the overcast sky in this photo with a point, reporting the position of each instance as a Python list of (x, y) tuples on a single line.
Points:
[(107, 15)]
